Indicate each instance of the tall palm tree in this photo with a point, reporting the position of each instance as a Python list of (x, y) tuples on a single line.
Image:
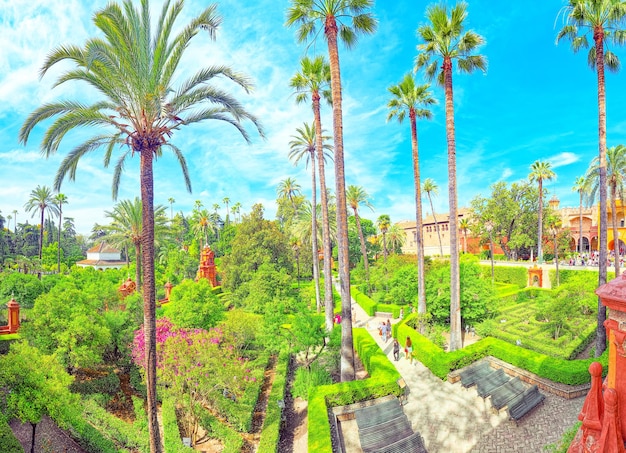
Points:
[(395, 237), (355, 197), (616, 179), (444, 42), (288, 188), (126, 228), (540, 171), (142, 104), (226, 200), (303, 147), (237, 211), (59, 200), (9, 217), (201, 225), (432, 189), (414, 100), (171, 201), (581, 186), (15, 221), (314, 80), (384, 222), (41, 199), (605, 20), (333, 16), (464, 226)]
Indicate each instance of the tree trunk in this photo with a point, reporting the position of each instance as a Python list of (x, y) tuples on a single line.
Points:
[(540, 226), (347, 351), (455, 285), (59, 238), (580, 224), (598, 36), (316, 261), (149, 295), (326, 246), (432, 208), (421, 286), (32, 439), (357, 220), (41, 235), (138, 264)]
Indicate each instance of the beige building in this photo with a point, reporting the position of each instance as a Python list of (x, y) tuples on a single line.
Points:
[(430, 236), (101, 257)]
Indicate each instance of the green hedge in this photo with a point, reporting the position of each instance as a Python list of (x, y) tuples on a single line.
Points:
[(382, 381), (8, 441), (172, 442), (516, 275), (231, 439), (371, 307), (270, 432), (572, 372), (72, 420), (125, 435)]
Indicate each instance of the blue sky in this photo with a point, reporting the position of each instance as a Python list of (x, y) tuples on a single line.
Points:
[(537, 101)]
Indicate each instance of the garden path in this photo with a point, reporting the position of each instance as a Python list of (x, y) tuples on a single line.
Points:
[(452, 419)]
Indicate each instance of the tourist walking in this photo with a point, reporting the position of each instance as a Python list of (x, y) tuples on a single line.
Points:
[(396, 349), (408, 349), (388, 330)]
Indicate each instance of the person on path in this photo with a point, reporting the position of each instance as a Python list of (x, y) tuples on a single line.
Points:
[(388, 330), (396, 349), (401, 313), (408, 349)]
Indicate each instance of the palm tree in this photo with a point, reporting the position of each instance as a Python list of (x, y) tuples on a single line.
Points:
[(605, 20), (615, 177), (15, 221), (287, 189), (171, 201), (314, 80), (226, 200), (580, 186), (464, 226), (216, 207), (40, 200), (126, 227), (59, 200), (414, 99), (355, 197), (384, 222), (432, 189), (395, 237), (445, 40), (201, 225), (333, 15), (9, 217), (237, 210), (303, 147), (540, 171), (139, 110)]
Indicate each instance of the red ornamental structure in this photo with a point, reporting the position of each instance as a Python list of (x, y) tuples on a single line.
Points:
[(14, 318), (602, 430), (207, 266)]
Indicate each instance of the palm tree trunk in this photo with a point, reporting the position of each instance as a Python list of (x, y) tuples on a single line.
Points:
[(149, 295), (357, 220), (41, 235), (326, 246), (138, 264), (580, 224), (347, 346), (540, 226), (316, 261), (432, 208), (598, 36), (455, 285), (421, 285), (59, 238), (615, 231)]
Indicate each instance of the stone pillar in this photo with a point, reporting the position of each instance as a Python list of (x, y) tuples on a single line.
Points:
[(168, 290), (535, 274), (14, 315)]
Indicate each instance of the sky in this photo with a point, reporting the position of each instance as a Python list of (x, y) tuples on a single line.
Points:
[(536, 101)]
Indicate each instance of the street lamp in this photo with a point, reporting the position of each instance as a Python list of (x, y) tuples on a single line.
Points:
[(489, 227), (555, 231)]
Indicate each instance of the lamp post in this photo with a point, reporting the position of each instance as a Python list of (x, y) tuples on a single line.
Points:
[(489, 227), (555, 231)]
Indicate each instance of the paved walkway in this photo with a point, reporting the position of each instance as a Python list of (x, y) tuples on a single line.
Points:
[(452, 419)]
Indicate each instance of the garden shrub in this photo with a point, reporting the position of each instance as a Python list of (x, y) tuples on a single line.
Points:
[(382, 381), (71, 419), (506, 274), (6, 341), (308, 378), (125, 435), (566, 439), (172, 442), (365, 302), (270, 432), (110, 384), (24, 288), (8, 441)]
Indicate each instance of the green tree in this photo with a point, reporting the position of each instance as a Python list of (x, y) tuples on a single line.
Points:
[(38, 386), (193, 305), (40, 199), (444, 42), (288, 188), (384, 223), (139, 110), (464, 226), (605, 21), (226, 200), (333, 16), (25, 288), (540, 171), (355, 197), (314, 80), (407, 97)]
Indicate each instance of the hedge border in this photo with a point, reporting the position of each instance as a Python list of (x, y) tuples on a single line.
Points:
[(172, 442), (382, 381), (8, 441), (270, 432), (371, 307)]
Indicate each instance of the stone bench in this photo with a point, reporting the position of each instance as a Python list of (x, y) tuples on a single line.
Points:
[(381, 435), (524, 403), (379, 413), (475, 373), (492, 381), (411, 444), (507, 392)]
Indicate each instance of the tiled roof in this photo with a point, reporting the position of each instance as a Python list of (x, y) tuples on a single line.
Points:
[(103, 247)]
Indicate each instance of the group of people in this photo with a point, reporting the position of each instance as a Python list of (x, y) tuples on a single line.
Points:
[(408, 349), (384, 330)]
